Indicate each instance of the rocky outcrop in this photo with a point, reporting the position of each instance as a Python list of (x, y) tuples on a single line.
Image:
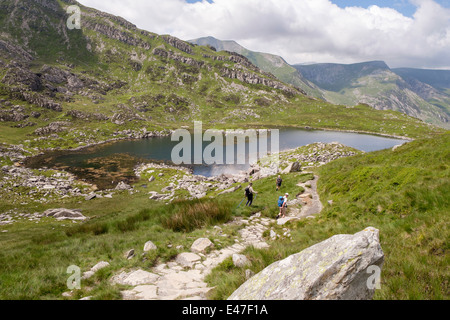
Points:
[(37, 99), (335, 269), (179, 44), (19, 75), (35, 184), (53, 127), (177, 57), (64, 214), (253, 78), (14, 52), (123, 186), (15, 114), (117, 33), (293, 167)]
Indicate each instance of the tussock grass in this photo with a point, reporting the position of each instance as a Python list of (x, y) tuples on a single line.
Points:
[(196, 214)]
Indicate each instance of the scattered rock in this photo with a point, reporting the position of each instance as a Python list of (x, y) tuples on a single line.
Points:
[(99, 266), (149, 246), (201, 245), (129, 254), (90, 197), (123, 186), (87, 275), (94, 269), (240, 261), (248, 274), (273, 235)]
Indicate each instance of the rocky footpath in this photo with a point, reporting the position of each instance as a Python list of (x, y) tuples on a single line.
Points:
[(306, 205), (183, 278)]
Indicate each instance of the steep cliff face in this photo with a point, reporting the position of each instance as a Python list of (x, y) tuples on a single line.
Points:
[(266, 62)]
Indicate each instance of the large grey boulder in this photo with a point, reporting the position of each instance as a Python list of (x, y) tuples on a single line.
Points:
[(292, 167), (340, 268)]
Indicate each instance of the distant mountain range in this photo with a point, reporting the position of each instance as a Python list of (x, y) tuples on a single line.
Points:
[(65, 88), (424, 94)]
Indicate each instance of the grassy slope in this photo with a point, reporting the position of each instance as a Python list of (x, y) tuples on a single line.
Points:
[(403, 193)]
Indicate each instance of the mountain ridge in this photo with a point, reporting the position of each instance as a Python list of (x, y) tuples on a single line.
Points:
[(372, 83)]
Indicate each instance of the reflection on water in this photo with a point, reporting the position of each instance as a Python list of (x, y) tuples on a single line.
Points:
[(107, 164)]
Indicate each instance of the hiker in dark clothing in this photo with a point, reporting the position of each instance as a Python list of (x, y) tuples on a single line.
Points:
[(279, 181), (249, 194)]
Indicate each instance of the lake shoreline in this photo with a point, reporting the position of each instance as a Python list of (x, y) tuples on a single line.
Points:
[(106, 159), (80, 148)]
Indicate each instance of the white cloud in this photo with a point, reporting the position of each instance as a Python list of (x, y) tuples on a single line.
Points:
[(302, 31)]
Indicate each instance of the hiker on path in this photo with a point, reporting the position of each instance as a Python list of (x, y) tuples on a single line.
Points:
[(283, 208), (279, 182), (280, 206), (249, 194)]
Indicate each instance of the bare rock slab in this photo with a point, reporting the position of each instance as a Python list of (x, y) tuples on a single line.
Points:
[(335, 269), (187, 259), (64, 214), (135, 278)]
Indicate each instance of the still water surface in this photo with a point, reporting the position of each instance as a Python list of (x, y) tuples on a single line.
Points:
[(114, 161)]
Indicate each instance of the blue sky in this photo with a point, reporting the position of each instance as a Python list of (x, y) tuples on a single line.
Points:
[(406, 7), (403, 33)]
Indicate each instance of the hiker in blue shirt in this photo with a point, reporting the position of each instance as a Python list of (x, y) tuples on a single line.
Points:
[(282, 204)]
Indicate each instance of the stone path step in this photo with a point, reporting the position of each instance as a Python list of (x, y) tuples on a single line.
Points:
[(184, 277)]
